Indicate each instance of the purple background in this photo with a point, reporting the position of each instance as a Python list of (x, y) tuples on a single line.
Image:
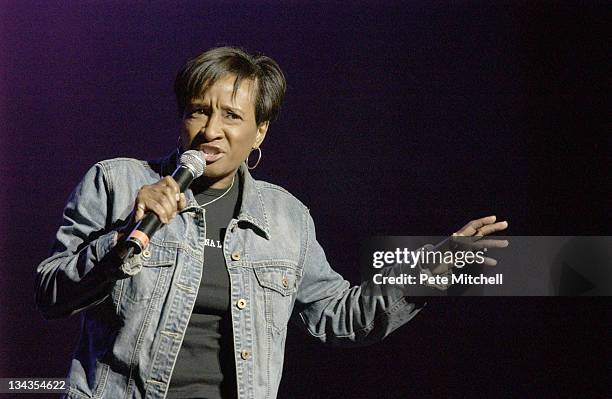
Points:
[(408, 119)]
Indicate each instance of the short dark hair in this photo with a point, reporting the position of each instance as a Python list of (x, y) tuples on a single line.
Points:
[(204, 70)]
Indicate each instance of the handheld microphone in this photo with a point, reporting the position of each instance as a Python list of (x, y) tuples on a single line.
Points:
[(191, 166)]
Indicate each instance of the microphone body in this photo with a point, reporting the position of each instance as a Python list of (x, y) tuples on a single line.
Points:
[(192, 165)]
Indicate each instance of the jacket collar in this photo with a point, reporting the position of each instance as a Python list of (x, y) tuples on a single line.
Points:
[(252, 209)]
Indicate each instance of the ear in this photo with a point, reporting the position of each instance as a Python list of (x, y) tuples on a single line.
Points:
[(262, 129)]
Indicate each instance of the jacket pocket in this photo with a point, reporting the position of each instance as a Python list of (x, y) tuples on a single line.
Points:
[(156, 272), (279, 283), (83, 386)]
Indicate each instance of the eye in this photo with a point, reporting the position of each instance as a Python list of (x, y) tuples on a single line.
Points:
[(197, 112), (233, 116)]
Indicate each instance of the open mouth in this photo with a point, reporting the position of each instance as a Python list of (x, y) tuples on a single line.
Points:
[(211, 152)]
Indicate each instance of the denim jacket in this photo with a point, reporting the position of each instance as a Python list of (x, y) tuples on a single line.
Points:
[(134, 315)]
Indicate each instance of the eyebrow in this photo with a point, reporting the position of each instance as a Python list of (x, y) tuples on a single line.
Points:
[(225, 107), (236, 110)]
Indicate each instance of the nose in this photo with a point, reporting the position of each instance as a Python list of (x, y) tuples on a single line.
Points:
[(213, 128)]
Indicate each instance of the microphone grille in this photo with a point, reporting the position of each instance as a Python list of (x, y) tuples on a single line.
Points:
[(194, 161)]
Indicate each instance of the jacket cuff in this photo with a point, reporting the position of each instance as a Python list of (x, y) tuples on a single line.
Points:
[(115, 267)]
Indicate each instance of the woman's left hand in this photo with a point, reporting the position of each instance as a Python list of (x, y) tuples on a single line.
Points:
[(475, 230)]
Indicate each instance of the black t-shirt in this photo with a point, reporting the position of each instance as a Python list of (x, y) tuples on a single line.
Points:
[(205, 365)]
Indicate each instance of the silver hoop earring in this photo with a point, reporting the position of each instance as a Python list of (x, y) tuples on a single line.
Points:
[(258, 159), (179, 150)]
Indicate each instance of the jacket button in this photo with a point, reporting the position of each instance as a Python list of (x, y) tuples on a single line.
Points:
[(236, 255), (241, 303), (285, 282), (146, 253), (245, 355)]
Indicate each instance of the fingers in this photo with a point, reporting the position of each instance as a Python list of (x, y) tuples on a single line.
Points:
[(482, 227), (474, 230), (174, 194), (482, 244), (162, 198), (140, 211), (164, 209), (472, 227), (179, 197), (489, 262), (169, 201), (170, 182), (478, 223), (182, 204), (492, 228)]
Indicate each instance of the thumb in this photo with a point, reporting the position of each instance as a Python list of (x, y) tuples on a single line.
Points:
[(140, 211)]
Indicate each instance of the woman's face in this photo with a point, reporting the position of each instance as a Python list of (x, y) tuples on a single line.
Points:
[(223, 127)]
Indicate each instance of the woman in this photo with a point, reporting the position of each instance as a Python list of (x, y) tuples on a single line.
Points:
[(203, 311)]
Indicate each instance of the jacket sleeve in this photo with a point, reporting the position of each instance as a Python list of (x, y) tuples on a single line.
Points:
[(334, 312), (81, 269)]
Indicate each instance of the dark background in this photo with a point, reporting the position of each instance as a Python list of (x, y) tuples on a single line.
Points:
[(403, 119)]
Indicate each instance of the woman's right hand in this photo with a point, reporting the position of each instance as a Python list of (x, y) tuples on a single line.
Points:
[(163, 198)]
